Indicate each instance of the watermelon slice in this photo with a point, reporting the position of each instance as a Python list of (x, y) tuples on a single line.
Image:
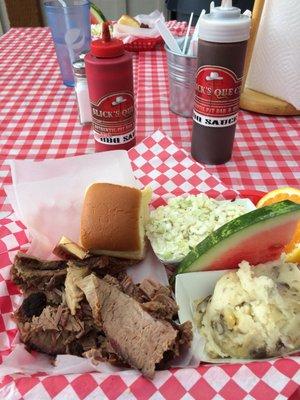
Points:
[(96, 15), (257, 237)]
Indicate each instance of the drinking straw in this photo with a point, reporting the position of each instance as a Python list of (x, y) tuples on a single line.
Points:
[(190, 51), (248, 13), (187, 33), (63, 3), (168, 37)]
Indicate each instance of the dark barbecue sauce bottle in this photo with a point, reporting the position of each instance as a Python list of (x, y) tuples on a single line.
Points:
[(222, 46)]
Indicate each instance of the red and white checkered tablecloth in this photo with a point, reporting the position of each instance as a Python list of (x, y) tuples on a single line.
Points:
[(38, 120)]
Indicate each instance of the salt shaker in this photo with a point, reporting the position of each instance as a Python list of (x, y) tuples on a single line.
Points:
[(82, 93)]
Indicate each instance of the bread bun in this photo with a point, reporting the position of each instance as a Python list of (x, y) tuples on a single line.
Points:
[(113, 219)]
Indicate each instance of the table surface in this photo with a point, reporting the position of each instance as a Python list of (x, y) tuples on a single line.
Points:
[(38, 117), (38, 120)]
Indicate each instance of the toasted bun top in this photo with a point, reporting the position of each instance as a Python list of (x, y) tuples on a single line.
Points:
[(111, 218)]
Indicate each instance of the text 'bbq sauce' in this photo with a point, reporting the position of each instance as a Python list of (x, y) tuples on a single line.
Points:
[(110, 82), (222, 46)]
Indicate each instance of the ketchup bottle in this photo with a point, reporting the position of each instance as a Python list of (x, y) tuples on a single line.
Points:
[(110, 82), (222, 43)]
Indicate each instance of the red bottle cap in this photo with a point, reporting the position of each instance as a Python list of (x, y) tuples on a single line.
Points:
[(107, 47)]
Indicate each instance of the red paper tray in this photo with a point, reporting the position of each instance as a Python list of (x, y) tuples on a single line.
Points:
[(253, 195), (144, 44)]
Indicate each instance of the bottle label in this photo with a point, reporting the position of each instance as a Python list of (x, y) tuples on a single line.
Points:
[(113, 118), (217, 96)]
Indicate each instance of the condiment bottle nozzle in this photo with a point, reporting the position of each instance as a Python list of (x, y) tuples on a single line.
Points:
[(105, 32), (226, 3)]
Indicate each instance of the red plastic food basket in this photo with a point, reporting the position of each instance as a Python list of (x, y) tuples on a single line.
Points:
[(253, 195), (144, 44)]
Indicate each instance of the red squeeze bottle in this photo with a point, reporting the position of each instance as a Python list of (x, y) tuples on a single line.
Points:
[(110, 82)]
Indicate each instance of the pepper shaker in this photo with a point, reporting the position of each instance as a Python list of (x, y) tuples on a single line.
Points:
[(82, 94)]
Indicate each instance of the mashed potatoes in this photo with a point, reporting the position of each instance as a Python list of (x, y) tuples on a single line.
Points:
[(253, 312)]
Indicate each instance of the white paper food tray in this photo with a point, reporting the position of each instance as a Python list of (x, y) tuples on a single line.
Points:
[(192, 286)]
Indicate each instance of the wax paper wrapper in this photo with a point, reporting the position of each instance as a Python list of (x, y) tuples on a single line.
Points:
[(194, 286), (47, 197), (128, 34)]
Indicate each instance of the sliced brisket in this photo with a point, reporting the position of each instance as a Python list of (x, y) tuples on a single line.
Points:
[(23, 260), (102, 265), (160, 302), (101, 315), (161, 306), (52, 331), (55, 331), (105, 353), (151, 288), (73, 294), (139, 339), (31, 273), (154, 297)]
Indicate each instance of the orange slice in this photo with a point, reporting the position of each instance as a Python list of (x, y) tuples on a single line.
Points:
[(285, 193), (292, 249), (294, 255), (295, 240)]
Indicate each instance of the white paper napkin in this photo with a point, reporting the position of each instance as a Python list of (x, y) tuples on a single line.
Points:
[(274, 68)]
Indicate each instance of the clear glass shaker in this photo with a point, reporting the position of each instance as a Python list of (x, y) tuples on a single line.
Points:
[(82, 93)]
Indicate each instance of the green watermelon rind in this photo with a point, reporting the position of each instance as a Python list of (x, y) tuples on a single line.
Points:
[(237, 230), (97, 13)]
